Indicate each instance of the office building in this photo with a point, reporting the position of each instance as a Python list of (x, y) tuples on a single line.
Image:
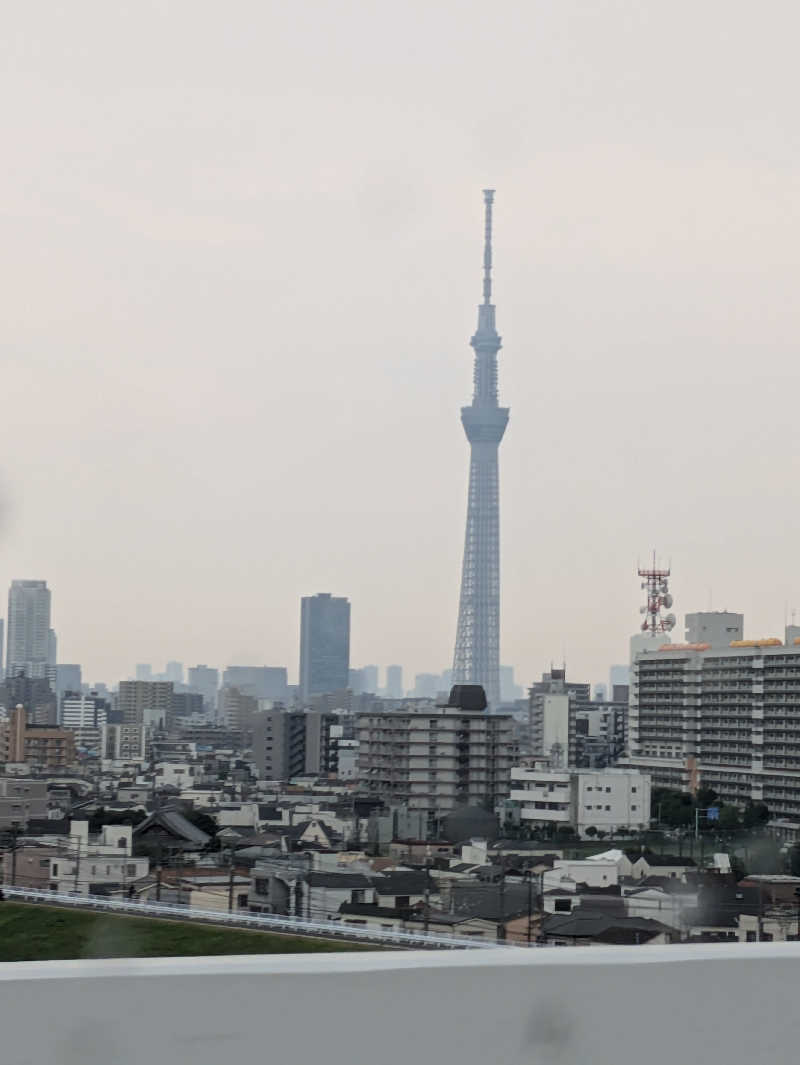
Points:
[(35, 694), (355, 681), (369, 683), (324, 644), (205, 680), (68, 679), (619, 676), (85, 715), (173, 671), (2, 646), (146, 702), (476, 659), (510, 691), (262, 682), (720, 717), (394, 682), (607, 800), (236, 709), (187, 704), (427, 686), (437, 758), (29, 643)]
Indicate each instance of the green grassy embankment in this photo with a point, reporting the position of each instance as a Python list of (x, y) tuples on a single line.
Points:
[(43, 933)]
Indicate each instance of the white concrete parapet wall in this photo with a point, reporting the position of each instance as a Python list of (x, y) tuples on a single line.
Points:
[(711, 1005)]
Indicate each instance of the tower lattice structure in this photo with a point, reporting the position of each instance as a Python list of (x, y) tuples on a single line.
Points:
[(477, 652)]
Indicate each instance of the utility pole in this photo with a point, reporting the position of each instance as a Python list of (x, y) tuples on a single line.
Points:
[(530, 903), (230, 880), (427, 889), (77, 862), (14, 834), (501, 927)]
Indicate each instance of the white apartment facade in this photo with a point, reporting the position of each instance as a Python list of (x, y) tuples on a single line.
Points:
[(605, 799), (723, 717), (96, 866), (85, 715)]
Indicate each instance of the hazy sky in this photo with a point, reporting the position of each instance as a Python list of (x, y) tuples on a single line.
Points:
[(240, 270)]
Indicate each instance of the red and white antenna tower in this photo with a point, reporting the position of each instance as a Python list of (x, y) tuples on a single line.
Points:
[(656, 585)]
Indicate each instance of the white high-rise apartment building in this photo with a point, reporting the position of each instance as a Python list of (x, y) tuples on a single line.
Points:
[(29, 640), (723, 717)]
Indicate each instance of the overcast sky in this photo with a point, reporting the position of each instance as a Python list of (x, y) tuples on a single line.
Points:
[(240, 270)]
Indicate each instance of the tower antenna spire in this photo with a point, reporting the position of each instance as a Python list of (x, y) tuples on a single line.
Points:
[(488, 200)]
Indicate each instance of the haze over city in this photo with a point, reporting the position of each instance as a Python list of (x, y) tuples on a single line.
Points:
[(239, 292)]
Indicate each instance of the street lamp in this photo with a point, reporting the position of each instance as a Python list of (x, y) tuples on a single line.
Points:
[(230, 837), (797, 896)]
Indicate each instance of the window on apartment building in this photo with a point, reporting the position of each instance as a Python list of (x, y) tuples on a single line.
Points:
[(44, 862), (608, 807), (633, 807), (55, 870)]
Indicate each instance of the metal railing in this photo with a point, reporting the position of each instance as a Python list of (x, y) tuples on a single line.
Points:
[(255, 921)]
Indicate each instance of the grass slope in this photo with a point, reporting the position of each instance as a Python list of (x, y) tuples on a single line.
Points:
[(42, 933)]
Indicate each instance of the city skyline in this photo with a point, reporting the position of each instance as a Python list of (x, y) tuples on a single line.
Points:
[(245, 380)]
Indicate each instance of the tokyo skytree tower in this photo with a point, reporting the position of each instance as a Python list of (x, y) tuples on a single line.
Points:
[(477, 652)]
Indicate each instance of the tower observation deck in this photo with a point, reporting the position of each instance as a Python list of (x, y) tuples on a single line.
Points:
[(477, 652)]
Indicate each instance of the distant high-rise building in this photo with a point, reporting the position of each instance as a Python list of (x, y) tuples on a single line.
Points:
[(324, 644), (186, 704), (618, 676), (144, 671), (509, 689), (174, 672), (394, 682), (2, 646), (477, 651), (28, 628), (370, 680), (68, 679), (52, 647), (262, 682), (145, 702), (355, 681), (427, 685), (205, 680), (236, 709), (553, 703)]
